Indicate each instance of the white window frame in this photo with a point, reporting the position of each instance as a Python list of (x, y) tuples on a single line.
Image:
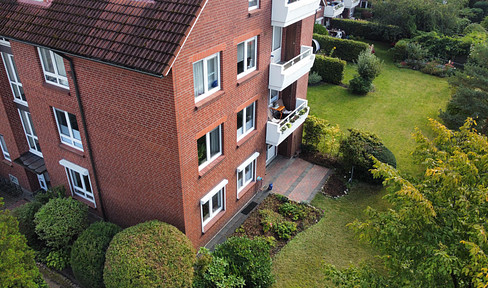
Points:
[(4, 41), (84, 176), (246, 69), (273, 98), (42, 182), (207, 92), (70, 139), (32, 139), (209, 157), (3, 145), (245, 129), (220, 188), (253, 6), (53, 78), (277, 30), (15, 84), (241, 172)]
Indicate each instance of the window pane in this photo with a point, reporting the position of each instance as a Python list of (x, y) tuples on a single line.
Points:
[(60, 65), (22, 94), (240, 180), (240, 58), (215, 142), (251, 50), (25, 121), (202, 150), (74, 126), (253, 3), (76, 177), (198, 78), (16, 74), (240, 126), (217, 201), (248, 172), (250, 117), (276, 37), (206, 210), (62, 123), (46, 60), (87, 183), (10, 72), (212, 73)]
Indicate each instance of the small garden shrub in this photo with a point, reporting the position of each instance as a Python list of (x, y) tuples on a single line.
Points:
[(314, 78), (60, 221), (285, 230), (330, 69), (475, 15), (357, 150), (292, 210), (88, 253), (57, 259), (476, 28), (214, 272), (369, 66), (25, 216), (483, 5), (360, 86), (437, 69), (320, 135), (484, 23), (281, 198), (320, 29), (368, 30), (150, 254), (347, 50), (44, 196), (248, 259), (273, 221)]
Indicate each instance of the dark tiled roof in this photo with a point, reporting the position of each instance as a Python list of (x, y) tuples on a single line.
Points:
[(143, 35), (32, 162)]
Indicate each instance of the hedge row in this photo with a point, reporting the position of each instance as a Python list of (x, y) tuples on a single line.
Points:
[(330, 69), (368, 30), (347, 50)]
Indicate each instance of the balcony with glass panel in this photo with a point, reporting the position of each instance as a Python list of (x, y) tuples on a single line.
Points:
[(349, 4), (287, 12), (333, 9), (282, 74), (277, 130)]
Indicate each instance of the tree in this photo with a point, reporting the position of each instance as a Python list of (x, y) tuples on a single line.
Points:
[(17, 265), (437, 225), (470, 98), (369, 67)]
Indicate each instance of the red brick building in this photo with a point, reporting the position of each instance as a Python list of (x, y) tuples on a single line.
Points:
[(150, 109)]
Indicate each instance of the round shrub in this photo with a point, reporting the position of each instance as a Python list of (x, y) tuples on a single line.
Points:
[(314, 78), (25, 216), (474, 28), (248, 259), (60, 221), (150, 254), (359, 85), (369, 66), (88, 253)]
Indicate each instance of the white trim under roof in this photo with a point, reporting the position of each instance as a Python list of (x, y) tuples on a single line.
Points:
[(213, 191), (248, 161), (72, 166)]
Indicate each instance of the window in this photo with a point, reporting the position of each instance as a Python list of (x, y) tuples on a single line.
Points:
[(68, 129), (213, 203), (6, 155), (246, 120), (30, 133), (13, 179), (206, 76), (13, 77), (253, 4), (274, 95), (246, 57), (4, 41), (53, 68), (79, 180), (277, 33), (246, 172), (209, 147)]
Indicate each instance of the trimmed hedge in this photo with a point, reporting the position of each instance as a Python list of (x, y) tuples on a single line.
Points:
[(330, 69), (347, 50), (320, 29), (150, 254), (88, 253), (368, 30)]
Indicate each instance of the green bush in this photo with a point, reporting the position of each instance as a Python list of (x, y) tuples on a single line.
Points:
[(474, 15), (440, 46), (360, 86), (44, 196), (347, 50), (150, 254), (363, 13), (57, 259), (369, 66), (477, 28), (314, 78), (483, 5), (368, 30), (293, 210), (248, 259), (273, 221), (25, 216), (357, 150), (330, 69), (60, 221), (88, 253), (320, 29), (484, 23), (214, 272), (399, 52)]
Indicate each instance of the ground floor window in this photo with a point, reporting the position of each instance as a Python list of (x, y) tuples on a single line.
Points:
[(79, 180), (246, 173), (213, 203)]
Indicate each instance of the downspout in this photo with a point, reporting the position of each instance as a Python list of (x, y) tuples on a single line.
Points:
[(87, 136)]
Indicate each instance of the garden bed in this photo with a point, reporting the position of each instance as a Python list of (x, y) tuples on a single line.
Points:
[(253, 226)]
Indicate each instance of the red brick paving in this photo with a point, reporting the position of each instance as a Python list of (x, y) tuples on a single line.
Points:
[(308, 184), (289, 176)]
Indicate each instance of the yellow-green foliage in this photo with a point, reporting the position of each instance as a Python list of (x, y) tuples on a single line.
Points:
[(323, 136)]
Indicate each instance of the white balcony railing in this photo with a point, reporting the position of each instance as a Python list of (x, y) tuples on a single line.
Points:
[(278, 132), (281, 75), (351, 3), (287, 12), (333, 9)]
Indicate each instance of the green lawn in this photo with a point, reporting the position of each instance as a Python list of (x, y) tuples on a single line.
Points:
[(403, 99)]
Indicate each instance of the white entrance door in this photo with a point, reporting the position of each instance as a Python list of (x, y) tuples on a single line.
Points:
[(276, 45), (42, 181), (270, 153)]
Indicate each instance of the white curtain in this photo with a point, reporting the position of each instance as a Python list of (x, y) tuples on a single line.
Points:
[(198, 78)]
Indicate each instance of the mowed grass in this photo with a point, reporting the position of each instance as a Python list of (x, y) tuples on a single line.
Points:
[(403, 99)]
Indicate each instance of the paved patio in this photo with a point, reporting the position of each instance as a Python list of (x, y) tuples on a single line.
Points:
[(295, 178)]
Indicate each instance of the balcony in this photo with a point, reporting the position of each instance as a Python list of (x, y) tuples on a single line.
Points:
[(333, 9), (287, 12), (281, 75), (349, 4), (277, 132)]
